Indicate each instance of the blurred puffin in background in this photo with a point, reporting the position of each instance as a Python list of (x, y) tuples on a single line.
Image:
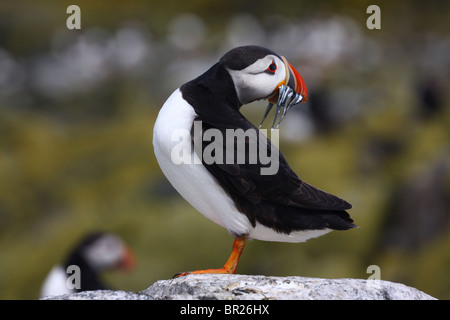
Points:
[(96, 252), (236, 195)]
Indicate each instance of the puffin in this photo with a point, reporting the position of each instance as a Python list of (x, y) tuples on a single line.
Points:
[(96, 252), (230, 186)]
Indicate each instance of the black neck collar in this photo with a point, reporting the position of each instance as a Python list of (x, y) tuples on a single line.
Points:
[(213, 95)]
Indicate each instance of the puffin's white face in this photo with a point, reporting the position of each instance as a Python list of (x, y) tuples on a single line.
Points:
[(259, 80)]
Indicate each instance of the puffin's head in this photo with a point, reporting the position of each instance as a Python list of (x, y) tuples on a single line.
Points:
[(104, 251), (259, 73)]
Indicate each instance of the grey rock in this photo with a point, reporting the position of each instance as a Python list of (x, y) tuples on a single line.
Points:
[(246, 287)]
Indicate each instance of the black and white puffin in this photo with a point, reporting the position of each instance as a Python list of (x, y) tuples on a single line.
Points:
[(233, 194), (96, 252)]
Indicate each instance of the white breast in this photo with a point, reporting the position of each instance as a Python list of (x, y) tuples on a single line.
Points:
[(56, 283), (192, 180)]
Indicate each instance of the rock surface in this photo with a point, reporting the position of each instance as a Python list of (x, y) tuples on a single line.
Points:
[(245, 287), (101, 295)]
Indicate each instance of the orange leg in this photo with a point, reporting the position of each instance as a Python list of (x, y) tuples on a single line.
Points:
[(229, 267)]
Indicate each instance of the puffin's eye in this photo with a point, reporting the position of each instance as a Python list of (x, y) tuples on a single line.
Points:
[(272, 68)]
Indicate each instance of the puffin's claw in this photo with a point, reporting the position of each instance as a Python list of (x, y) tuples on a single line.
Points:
[(181, 274)]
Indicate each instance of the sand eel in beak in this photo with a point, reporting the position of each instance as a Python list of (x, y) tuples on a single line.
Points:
[(289, 93), (224, 179)]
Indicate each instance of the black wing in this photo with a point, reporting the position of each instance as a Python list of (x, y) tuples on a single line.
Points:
[(284, 187)]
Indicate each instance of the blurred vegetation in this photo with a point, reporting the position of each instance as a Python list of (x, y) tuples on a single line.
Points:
[(77, 109)]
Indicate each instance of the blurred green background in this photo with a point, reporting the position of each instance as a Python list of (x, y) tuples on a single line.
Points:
[(77, 109)]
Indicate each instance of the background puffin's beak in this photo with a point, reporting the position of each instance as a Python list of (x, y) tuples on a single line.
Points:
[(128, 261), (295, 81)]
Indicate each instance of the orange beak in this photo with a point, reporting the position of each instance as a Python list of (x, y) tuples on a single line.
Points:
[(128, 261), (296, 82)]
